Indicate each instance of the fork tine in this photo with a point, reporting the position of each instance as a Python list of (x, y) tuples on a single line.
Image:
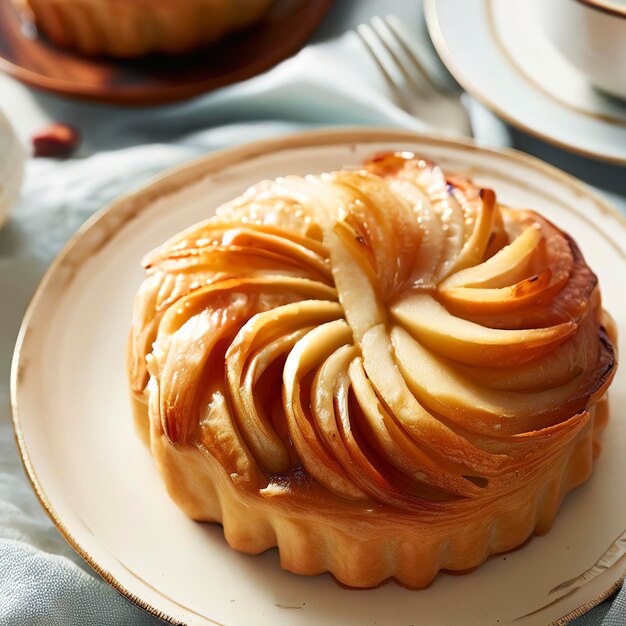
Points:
[(392, 24), (416, 83), (365, 33)]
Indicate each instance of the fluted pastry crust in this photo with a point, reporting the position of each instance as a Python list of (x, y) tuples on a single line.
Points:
[(131, 28), (383, 372)]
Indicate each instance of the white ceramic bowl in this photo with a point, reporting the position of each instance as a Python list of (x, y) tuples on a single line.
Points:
[(591, 34), (11, 167)]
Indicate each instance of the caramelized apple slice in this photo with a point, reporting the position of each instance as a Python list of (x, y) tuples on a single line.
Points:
[(218, 433), (437, 196), (423, 427), (334, 419), (181, 361), (220, 234), (508, 266), (474, 248), (452, 218), (302, 360), (143, 331), (272, 289), (471, 343), (472, 406), (266, 204), (498, 238), (285, 248), (552, 369), (570, 302), (389, 440), (385, 223), (274, 214), (432, 243), (189, 332), (260, 342), (202, 266), (539, 287)]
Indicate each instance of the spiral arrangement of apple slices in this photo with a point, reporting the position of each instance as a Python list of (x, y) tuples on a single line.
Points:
[(392, 333)]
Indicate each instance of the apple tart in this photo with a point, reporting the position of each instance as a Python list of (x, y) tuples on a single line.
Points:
[(134, 28), (383, 372)]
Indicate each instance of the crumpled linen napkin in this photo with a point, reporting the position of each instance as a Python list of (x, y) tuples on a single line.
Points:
[(42, 580)]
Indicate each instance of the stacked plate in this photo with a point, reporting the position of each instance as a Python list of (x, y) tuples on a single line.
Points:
[(500, 52)]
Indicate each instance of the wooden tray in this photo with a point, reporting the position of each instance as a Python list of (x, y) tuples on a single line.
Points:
[(156, 79)]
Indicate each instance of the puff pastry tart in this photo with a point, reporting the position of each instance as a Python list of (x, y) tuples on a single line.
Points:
[(131, 28), (383, 372)]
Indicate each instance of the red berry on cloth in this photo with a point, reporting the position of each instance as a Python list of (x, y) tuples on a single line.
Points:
[(55, 140)]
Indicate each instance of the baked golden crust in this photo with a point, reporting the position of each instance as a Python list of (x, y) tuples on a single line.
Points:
[(131, 28), (384, 372)]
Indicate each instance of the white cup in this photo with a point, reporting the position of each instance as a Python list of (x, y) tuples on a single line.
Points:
[(11, 167), (591, 35)]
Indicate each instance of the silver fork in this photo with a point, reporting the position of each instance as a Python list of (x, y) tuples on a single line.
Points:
[(435, 100)]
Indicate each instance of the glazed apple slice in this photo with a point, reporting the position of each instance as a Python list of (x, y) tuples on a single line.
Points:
[(190, 331), (179, 364), (393, 444), (552, 369), (143, 330), (436, 383), (567, 297), (435, 195), (218, 233), (303, 359), (474, 247), (283, 247), (265, 204), (508, 266), (258, 344), (337, 419), (452, 218), (202, 266), (485, 301), (432, 244), (471, 343), (273, 213), (423, 427), (499, 238), (384, 222), (271, 288), (218, 432), (358, 296)]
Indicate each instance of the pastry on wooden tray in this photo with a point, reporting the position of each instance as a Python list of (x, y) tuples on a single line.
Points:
[(131, 28), (383, 372)]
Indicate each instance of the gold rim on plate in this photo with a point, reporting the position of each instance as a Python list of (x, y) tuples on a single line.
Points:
[(436, 35), (606, 7), (603, 117), (178, 177)]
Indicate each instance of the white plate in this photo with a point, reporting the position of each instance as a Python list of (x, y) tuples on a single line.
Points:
[(498, 51), (98, 482)]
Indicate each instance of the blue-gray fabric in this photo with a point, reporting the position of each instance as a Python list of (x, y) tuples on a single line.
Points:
[(331, 82)]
